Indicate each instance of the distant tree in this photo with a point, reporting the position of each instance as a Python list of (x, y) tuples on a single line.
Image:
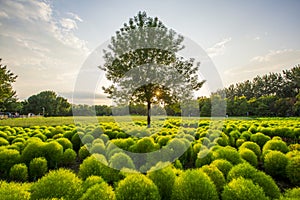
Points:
[(204, 106), (103, 110), (146, 42), (293, 79), (48, 103), (7, 94)]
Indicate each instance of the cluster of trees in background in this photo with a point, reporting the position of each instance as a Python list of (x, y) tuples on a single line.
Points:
[(274, 94)]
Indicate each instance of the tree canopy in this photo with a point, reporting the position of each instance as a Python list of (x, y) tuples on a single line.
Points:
[(7, 94), (142, 64)]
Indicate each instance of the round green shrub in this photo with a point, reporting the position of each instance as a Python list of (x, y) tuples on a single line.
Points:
[(37, 168), (223, 165), (87, 139), (244, 170), (53, 153), (267, 183), (137, 187), (60, 183), (121, 160), (83, 152), (275, 163), (76, 142), (228, 153), (65, 143), (260, 139), (3, 142), (194, 184), (68, 157), (164, 179), (98, 148), (239, 142), (293, 170), (8, 158), (215, 175), (99, 191), (253, 147), (90, 181), (249, 156), (276, 145), (96, 164), (12, 191), (243, 189), (204, 157), (19, 172), (32, 150), (291, 194)]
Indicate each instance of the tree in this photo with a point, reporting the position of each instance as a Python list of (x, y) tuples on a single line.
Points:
[(143, 66), (7, 94), (47, 103)]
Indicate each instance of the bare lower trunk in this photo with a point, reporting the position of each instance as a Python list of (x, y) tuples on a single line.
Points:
[(148, 114)]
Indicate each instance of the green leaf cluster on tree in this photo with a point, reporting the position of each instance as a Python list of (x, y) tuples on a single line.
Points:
[(47, 103), (143, 66), (7, 94)]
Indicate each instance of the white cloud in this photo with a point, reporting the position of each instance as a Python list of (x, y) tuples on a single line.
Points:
[(3, 14), (219, 48), (40, 46), (256, 38)]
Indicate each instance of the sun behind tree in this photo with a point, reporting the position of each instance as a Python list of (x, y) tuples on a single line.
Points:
[(143, 65)]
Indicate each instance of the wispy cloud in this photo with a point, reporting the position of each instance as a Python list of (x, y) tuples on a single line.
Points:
[(219, 48), (38, 43)]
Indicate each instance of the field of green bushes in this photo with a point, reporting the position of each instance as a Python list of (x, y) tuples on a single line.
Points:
[(242, 159)]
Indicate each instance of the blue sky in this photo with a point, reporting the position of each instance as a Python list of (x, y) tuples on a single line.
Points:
[(46, 42)]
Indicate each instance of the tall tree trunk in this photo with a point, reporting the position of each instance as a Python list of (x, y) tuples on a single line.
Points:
[(148, 114)]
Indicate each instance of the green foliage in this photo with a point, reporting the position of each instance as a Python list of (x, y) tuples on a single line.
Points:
[(164, 179), (277, 145), (37, 168), (204, 157), (249, 156), (32, 150), (194, 184), (260, 139), (83, 152), (243, 189), (3, 142), (291, 194), (215, 175), (228, 153), (121, 160), (275, 163), (76, 141), (13, 191), (87, 139), (90, 181), (99, 191), (65, 143), (68, 157), (8, 158), (223, 165), (252, 146), (137, 187), (60, 183), (98, 148), (97, 165), (53, 153), (18, 172), (293, 170)]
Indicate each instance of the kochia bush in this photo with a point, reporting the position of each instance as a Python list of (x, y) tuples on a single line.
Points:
[(60, 183), (223, 165), (215, 175), (194, 184), (99, 191), (275, 163), (252, 146), (18, 172), (12, 191), (8, 157), (243, 189), (293, 170), (136, 187), (249, 156), (37, 168), (277, 145)]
